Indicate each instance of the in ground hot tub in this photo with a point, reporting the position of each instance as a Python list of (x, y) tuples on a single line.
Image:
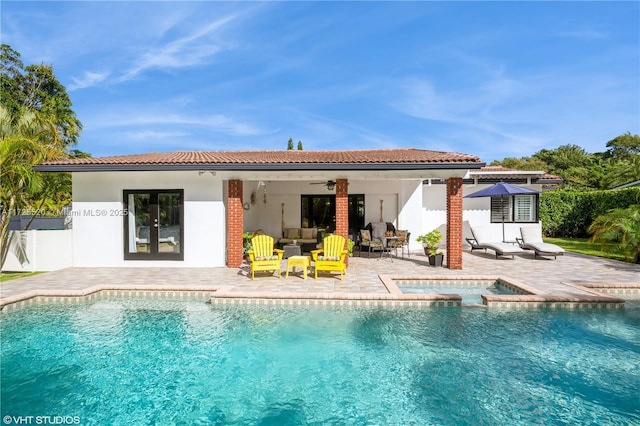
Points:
[(471, 290)]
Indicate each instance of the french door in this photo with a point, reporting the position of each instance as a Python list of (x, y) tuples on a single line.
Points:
[(154, 224)]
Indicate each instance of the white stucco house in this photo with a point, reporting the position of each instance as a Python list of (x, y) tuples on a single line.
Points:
[(190, 208)]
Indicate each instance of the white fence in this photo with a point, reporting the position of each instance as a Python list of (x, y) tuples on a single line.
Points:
[(39, 250)]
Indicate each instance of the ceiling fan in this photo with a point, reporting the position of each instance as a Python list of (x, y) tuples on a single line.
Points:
[(330, 184)]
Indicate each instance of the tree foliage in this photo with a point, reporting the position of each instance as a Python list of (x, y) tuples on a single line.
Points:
[(621, 226), (290, 145), (35, 88), (618, 165), (37, 124), (623, 147), (26, 140)]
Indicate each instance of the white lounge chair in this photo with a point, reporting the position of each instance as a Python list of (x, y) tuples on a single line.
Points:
[(482, 239), (532, 240)]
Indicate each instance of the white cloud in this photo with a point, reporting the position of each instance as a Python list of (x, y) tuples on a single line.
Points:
[(87, 80), (194, 49), (219, 123)]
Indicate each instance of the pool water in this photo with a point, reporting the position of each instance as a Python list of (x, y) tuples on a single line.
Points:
[(128, 361), (471, 293)]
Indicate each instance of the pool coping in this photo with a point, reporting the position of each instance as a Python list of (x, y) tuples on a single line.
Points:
[(225, 295), (77, 296)]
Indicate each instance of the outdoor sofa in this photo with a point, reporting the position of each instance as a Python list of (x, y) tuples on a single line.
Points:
[(307, 237)]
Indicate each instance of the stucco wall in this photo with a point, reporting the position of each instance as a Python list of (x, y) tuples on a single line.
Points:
[(98, 226)]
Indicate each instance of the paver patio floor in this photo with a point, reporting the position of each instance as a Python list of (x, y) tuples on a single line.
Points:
[(547, 275)]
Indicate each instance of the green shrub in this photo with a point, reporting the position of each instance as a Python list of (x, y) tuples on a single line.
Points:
[(569, 212)]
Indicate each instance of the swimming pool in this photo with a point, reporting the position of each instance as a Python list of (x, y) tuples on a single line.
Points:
[(136, 361)]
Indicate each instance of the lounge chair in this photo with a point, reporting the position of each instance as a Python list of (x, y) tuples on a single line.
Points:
[(532, 240), (483, 239), (263, 256), (332, 256)]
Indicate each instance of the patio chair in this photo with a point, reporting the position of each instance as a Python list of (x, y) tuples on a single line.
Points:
[(401, 242), (483, 239), (532, 240), (263, 256), (368, 243), (332, 256)]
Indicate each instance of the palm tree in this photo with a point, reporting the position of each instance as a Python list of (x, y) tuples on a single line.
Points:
[(24, 144), (620, 226)]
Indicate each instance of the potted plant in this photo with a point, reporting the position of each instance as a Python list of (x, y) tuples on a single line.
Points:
[(350, 244), (430, 243), (246, 240)]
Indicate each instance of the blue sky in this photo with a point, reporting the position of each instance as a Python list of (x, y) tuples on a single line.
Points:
[(494, 79)]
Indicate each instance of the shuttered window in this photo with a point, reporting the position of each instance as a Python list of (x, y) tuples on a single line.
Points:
[(524, 208), (501, 209), (517, 208)]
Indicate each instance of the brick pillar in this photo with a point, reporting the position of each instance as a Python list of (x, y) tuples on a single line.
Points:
[(342, 209), (235, 224), (454, 223)]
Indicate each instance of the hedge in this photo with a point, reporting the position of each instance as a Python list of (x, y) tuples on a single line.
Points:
[(569, 212)]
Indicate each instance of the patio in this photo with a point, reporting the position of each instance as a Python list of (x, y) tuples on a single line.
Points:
[(557, 278)]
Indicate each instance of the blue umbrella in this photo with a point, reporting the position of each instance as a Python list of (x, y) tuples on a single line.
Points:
[(502, 189)]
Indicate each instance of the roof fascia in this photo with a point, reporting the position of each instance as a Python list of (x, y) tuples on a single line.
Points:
[(254, 167)]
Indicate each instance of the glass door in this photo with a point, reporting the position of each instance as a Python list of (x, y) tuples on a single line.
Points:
[(153, 225), (356, 215)]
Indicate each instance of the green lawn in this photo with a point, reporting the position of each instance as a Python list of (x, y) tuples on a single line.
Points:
[(6, 276), (583, 246)]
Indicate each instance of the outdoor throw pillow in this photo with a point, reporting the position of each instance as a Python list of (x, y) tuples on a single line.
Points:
[(365, 235), (261, 258), (307, 233), (329, 258)]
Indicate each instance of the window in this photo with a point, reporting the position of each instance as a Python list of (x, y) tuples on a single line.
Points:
[(525, 208), (501, 209), (517, 208), (320, 211)]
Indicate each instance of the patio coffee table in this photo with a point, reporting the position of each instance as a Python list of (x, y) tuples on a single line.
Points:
[(302, 261)]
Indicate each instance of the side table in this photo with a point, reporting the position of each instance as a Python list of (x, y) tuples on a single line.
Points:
[(302, 261)]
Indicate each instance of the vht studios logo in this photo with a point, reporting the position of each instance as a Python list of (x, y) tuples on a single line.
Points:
[(41, 420)]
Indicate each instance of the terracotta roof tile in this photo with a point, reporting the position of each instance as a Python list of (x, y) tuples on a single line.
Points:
[(384, 156)]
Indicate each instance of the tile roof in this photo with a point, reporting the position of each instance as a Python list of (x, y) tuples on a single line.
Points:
[(385, 156), (507, 172), (371, 159)]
